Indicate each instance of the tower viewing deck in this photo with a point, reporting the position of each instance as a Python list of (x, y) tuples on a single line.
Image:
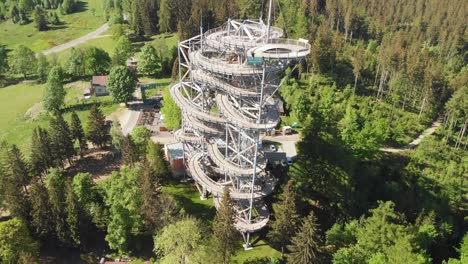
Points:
[(227, 80)]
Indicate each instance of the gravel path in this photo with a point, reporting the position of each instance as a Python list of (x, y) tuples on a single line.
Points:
[(416, 141), (77, 41)]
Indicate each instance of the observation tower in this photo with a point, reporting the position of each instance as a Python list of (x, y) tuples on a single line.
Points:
[(227, 80)]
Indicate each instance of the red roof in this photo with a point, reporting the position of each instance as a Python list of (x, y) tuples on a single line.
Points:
[(99, 80)]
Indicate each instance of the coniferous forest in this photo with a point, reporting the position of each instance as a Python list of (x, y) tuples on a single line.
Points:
[(379, 74)]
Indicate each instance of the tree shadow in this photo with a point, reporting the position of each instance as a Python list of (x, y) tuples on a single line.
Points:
[(80, 6), (198, 210), (84, 105)]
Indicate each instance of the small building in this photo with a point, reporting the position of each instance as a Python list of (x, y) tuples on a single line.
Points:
[(175, 155), (280, 107), (98, 85)]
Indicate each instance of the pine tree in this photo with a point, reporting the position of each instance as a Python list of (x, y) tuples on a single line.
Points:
[(307, 244), (73, 211), (41, 217), (54, 92), (157, 161), (39, 160), (165, 16), (56, 190), (97, 133), (61, 139), (116, 135), (175, 70), (40, 18), (14, 179), (224, 232), (18, 168), (42, 67), (286, 218), (129, 151), (77, 133), (150, 204), (46, 149)]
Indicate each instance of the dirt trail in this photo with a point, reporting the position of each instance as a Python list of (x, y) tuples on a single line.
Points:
[(429, 131)]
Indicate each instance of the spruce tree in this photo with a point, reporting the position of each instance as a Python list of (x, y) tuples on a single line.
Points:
[(73, 211), (129, 151), (224, 232), (286, 218), (175, 70), (54, 92), (157, 161), (97, 133), (116, 135), (61, 139), (41, 217), (307, 244), (14, 180), (77, 133), (150, 190), (18, 168), (46, 148), (35, 156), (56, 190)]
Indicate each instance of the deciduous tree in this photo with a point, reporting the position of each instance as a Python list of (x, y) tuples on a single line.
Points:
[(98, 61), (22, 60), (121, 84), (15, 241), (149, 62), (179, 242), (123, 51)]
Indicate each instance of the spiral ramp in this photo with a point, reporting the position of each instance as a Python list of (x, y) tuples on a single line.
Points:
[(225, 94)]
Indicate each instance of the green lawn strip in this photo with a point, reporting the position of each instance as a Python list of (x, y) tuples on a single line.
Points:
[(170, 39), (260, 250), (15, 100), (74, 26), (188, 198)]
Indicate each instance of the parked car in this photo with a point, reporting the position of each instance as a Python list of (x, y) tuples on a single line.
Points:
[(284, 163), (289, 161), (272, 148)]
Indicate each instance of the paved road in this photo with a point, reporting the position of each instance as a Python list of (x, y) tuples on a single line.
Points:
[(416, 141), (288, 143), (77, 41)]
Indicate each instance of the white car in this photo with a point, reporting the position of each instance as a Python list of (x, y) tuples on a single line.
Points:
[(272, 148)]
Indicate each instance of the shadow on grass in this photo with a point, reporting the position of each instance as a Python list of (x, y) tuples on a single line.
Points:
[(80, 6), (85, 105), (201, 211)]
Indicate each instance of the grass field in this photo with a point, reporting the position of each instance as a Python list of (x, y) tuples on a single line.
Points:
[(105, 42), (16, 100), (189, 199), (89, 17)]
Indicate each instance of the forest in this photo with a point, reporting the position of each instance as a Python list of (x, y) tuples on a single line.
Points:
[(378, 75)]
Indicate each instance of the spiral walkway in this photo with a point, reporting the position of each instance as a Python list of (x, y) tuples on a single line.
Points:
[(226, 91)]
